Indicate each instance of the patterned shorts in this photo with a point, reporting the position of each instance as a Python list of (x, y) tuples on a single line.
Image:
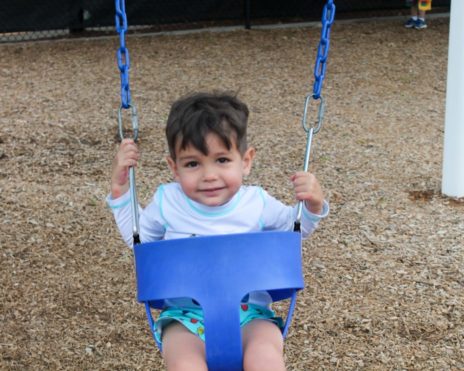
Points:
[(192, 318)]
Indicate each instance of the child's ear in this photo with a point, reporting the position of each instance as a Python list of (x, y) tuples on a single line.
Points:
[(247, 160), (173, 166)]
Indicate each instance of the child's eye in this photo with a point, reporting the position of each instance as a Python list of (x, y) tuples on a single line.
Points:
[(223, 160), (191, 164)]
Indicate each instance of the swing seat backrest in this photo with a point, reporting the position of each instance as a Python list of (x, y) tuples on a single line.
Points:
[(217, 272)]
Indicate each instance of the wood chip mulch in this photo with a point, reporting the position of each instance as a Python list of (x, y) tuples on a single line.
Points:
[(384, 273)]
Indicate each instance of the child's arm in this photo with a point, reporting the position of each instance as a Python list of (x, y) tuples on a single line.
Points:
[(127, 156), (280, 217), (308, 189), (119, 200)]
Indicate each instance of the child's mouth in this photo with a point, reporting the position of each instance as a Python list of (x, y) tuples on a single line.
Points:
[(211, 191)]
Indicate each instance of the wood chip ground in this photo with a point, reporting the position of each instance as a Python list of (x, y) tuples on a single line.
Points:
[(384, 273)]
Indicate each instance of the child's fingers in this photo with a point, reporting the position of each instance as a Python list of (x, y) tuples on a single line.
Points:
[(303, 196), (306, 186), (131, 154), (126, 141), (302, 174), (129, 162), (128, 145), (303, 178), (127, 151)]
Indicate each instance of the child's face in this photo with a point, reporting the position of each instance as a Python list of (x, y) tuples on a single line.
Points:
[(214, 179)]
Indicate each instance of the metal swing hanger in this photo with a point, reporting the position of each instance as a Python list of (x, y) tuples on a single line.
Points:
[(328, 16)]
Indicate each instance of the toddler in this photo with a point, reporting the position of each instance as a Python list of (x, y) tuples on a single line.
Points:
[(209, 157)]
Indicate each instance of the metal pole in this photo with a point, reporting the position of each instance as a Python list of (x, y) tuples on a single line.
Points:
[(453, 154)]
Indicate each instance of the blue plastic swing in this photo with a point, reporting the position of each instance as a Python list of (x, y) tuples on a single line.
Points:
[(218, 271)]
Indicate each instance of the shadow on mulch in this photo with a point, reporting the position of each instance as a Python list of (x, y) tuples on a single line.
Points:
[(429, 194)]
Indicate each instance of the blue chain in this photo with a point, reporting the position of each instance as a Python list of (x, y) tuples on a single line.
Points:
[(123, 53), (124, 67), (328, 16)]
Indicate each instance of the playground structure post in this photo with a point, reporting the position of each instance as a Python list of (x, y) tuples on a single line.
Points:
[(453, 153)]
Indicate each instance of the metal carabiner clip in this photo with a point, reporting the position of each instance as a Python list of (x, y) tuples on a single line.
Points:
[(135, 123), (310, 131), (320, 114)]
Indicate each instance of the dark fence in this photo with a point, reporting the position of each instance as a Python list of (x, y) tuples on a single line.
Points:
[(29, 19)]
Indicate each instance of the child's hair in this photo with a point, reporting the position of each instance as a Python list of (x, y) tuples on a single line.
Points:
[(194, 116)]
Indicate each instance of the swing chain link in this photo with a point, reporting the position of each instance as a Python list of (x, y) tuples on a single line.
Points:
[(328, 16), (123, 53), (124, 67)]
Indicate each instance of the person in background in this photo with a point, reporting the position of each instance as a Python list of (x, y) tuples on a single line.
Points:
[(418, 10)]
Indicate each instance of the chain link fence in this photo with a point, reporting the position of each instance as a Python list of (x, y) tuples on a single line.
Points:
[(22, 20)]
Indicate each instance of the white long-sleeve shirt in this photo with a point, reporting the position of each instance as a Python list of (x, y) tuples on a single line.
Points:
[(171, 214)]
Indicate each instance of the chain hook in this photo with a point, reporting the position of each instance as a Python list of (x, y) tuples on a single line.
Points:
[(134, 120), (310, 132), (320, 114)]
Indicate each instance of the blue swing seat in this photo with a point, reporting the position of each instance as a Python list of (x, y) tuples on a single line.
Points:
[(218, 271)]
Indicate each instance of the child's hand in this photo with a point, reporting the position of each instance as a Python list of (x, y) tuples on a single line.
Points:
[(308, 189), (127, 155)]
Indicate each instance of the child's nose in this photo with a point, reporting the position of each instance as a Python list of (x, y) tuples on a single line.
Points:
[(209, 174)]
